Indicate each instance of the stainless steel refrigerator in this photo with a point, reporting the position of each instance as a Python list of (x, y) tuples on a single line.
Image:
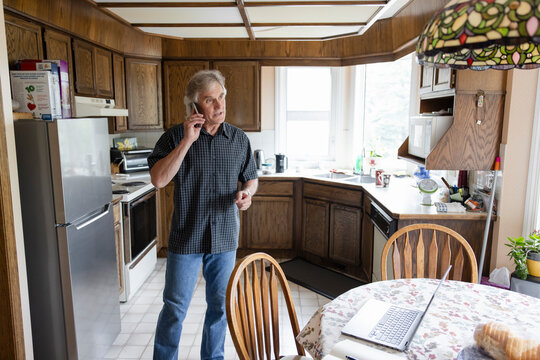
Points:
[(65, 188)]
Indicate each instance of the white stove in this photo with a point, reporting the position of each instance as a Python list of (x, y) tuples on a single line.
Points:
[(130, 186), (139, 228)]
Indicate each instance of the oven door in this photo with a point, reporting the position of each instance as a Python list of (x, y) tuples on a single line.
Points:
[(140, 225)]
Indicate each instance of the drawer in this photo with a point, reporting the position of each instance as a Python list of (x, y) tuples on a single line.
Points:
[(116, 212), (275, 187), (334, 194)]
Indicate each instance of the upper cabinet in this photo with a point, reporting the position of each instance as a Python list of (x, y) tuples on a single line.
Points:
[(58, 46), (143, 82), (434, 80), (93, 70), (23, 39), (176, 76), (242, 80), (119, 123)]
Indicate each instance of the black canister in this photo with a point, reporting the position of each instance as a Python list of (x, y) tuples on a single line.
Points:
[(281, 163)]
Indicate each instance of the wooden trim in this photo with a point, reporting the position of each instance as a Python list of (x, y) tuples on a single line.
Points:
[(150, 4)]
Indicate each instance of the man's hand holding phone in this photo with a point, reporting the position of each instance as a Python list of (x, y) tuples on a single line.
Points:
[(192, 127)]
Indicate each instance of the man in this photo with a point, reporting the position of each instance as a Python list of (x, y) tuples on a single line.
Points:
[(206, 157)]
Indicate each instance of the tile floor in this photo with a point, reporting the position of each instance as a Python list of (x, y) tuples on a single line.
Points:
[(139, 318)]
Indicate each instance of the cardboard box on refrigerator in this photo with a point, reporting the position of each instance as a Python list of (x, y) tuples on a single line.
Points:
[(35, 91), (59, 69)]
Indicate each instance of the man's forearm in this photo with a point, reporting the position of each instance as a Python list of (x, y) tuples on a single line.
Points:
[(164, 170), (251, 185)]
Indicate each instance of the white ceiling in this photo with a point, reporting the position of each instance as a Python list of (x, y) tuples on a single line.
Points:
[(250, 19)]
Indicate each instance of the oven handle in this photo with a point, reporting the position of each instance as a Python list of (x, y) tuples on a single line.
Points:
[(96, 218), (143, 198)]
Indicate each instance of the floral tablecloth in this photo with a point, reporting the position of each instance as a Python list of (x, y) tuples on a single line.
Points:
[(448, 325)]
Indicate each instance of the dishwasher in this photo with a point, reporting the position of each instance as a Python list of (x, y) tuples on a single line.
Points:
[(383, 227)]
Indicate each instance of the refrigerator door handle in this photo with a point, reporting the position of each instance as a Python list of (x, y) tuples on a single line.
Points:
[(95, 218)]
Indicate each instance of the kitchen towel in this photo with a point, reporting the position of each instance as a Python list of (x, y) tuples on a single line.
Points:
[(452, 207)]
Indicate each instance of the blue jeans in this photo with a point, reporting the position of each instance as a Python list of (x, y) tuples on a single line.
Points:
[(180, 280)]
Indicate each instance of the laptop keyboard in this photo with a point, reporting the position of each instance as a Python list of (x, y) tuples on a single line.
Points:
[(394, 325)]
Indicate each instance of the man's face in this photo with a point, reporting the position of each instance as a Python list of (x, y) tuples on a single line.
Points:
[(212, 104)]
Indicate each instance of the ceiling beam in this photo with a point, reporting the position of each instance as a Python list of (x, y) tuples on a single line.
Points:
[(150, 4), (243, 13)]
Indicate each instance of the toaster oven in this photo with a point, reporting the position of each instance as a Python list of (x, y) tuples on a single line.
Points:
[(131, 160)]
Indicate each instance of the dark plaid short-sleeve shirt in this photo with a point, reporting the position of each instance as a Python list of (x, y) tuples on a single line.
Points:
[(206, 219)]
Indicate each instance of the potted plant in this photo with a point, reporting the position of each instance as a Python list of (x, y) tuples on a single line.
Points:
[(526, 254)]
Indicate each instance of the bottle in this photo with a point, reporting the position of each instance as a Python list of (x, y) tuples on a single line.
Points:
[(359, 164)]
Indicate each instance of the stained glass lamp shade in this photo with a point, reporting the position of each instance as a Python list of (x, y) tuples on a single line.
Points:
[(483, 34)]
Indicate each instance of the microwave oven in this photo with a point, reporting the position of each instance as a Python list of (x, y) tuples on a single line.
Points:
[(425, 131)]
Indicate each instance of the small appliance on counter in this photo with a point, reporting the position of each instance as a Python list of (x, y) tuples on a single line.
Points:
[(282, 163), (131, 160), (427, 187), (259, 158)]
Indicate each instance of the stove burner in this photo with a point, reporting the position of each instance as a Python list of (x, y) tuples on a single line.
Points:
[(134, 183), (120, 192)]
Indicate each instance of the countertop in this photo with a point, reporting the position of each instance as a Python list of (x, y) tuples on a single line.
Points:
[(401, 199)]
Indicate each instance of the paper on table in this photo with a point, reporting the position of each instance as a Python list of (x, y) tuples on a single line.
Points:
[(361, 351)]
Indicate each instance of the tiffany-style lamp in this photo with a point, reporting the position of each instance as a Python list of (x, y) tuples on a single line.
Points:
[(483, 34)]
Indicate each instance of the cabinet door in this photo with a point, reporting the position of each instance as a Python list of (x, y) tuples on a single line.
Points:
[(443, 79), (83, 54), (243, 93), (426, 79), (176, 77), (166, 210), (58, 46), (103, 72), (23, 39), (143, 81), (269, 223), (366, 251), (315, 234), (345, 236), (120, 122)]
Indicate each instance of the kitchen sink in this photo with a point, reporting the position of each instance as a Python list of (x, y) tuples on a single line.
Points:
[(336, 176), (364, 179)]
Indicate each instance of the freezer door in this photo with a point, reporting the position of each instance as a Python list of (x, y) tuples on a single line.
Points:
[(89, 285), (80, 167)]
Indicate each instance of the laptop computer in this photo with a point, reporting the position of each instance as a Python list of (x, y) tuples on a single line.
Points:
[(386, 324)]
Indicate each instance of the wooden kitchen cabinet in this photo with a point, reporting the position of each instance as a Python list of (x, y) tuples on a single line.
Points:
[(242, 80), (269, 223), (119, 123), (93, 70), (165, 214), (58, 46), (119, 245), (176, 75), (23, 39), (143, 83), (243, 93), (332, 227)]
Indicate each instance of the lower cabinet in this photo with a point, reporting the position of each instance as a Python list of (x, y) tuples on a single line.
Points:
[(332, 227), (118, 240), (165, 214)]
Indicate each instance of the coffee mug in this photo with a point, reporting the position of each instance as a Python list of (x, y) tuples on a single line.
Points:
[(386, 180), (379, 177)]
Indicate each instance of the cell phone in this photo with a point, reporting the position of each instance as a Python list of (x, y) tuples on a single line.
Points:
[(196, 108)]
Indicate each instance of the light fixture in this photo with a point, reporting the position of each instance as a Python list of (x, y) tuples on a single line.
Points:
[(482, 34)]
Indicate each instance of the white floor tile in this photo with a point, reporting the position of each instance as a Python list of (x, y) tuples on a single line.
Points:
[(139, 339), (131, 352)]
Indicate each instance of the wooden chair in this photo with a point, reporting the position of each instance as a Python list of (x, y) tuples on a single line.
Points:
[(252, 308), (435, 247)]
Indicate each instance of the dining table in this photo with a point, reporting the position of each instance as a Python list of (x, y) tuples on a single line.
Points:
[(447, 327)]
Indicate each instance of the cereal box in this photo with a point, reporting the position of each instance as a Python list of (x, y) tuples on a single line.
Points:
[(35, 91)]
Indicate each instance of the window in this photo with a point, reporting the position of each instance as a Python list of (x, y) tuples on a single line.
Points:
[(327, 115), (306, 112)]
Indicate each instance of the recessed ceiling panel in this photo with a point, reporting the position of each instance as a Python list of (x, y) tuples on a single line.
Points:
[(199, 32), (310, 14), (303, 32), (179, 15)]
